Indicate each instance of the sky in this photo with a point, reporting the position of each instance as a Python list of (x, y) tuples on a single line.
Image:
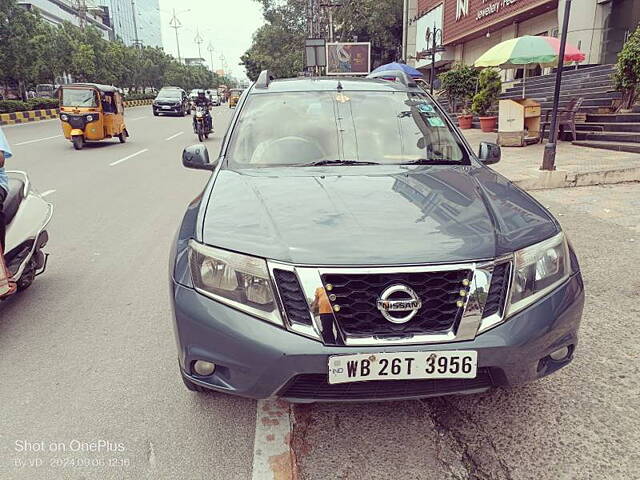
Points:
[(227, 24)]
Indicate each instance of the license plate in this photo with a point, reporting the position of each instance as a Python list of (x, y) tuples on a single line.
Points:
[(166, 107), (402, 366)]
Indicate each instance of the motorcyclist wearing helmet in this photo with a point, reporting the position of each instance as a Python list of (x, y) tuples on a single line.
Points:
[(202, 100)]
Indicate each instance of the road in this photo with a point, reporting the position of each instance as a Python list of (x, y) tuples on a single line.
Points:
[(88, 353)]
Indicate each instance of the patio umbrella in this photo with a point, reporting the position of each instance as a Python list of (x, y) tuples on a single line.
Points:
[(528, 51), (399, 66)]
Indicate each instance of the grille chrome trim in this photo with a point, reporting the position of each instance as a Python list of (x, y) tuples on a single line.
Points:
[(469, 326)]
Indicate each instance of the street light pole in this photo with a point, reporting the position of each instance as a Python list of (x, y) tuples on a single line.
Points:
[(198, 41), (549, 159), (135, 23), (431, 36), (211, 50), (175, 24)]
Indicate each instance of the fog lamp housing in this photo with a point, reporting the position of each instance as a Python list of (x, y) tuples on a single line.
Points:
[(203, 368)]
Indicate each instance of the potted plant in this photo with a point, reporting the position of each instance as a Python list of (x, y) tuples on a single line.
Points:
[(459, 84), (627, 76), (489, 88)]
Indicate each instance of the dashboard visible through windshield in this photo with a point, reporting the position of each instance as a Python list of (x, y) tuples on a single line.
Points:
[(306, 128)]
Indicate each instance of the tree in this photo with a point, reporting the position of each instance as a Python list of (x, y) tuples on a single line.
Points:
[(627, 77), (372, 21), (278, 44), (460, 84), (16, 38)]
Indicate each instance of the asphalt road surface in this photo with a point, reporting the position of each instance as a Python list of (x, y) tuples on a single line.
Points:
[(87, 354)]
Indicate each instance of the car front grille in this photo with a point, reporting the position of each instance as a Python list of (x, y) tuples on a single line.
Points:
[(317, 387), (294, 303), (498, 290), (356, 296)]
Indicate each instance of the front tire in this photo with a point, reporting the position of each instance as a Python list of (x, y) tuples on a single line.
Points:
[(78, 142), (123, 136)]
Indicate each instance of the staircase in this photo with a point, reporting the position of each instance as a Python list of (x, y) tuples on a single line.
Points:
[(593, 83), (598, 126), (610, 131)]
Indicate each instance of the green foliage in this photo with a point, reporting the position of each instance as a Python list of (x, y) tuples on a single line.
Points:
[(279, 44), (627, 77), (459, 84), (489, 88), (372, 21), (10, 106), (41, 103), (34, 51)]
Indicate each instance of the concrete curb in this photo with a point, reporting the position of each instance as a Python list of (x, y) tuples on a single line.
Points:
[(138, 103), (273, 456), (49, 113), (563, 179), (28, 116)]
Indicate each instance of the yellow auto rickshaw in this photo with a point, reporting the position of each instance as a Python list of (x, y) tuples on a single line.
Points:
[(234, 96), (90, 112)]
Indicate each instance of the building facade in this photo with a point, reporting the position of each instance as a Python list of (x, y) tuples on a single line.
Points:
[(135, 21), (470, 27), (59, 11)]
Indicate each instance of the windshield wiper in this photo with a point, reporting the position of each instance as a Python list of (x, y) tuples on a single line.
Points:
[(336, 162), (432, 161)]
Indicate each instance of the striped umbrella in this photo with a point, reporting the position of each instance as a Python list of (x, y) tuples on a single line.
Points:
[(528, 51)]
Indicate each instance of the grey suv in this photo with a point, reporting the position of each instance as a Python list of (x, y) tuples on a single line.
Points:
[(351, 246)]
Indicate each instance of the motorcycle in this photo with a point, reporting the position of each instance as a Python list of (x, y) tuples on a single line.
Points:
[(27, 215), (201, 125)]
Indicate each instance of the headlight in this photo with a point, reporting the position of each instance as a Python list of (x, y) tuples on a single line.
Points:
[(238, 280), (538, 269), (89, 118), (64, 118), (199, 114)]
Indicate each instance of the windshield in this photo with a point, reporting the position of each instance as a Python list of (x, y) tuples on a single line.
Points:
[(169, 94), (301, 128), (78, 97)]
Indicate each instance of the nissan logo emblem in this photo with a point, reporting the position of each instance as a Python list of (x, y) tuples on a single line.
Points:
[(398, 298)]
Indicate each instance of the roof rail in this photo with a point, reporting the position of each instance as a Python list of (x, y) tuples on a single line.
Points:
[(396, 75), (265, 78)]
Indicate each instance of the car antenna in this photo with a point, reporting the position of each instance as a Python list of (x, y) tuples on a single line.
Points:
[(339, 85)]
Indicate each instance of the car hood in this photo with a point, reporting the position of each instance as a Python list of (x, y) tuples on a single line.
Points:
[(379, 215)]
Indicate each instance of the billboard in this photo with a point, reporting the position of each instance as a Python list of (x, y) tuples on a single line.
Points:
[(349, 58)]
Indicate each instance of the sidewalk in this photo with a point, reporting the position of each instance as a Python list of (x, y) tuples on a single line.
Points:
[(575, 166)]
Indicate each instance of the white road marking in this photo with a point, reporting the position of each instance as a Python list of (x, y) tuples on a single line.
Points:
[(174, 136), (273, 457), (129, 157), (48, 192), (36, 140), (137, 118)]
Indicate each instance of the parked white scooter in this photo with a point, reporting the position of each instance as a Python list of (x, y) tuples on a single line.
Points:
[(27, 215)]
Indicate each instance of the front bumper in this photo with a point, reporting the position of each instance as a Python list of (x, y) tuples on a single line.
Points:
[(258, 360), (171, 109)]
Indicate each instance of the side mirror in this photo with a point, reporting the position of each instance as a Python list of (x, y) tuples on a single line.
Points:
[(489, 153), (197, 157)]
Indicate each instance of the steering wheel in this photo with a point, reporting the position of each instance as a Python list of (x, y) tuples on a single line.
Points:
[(303, 150)]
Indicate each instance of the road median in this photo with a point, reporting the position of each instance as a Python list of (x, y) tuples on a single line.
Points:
[(29, 116)]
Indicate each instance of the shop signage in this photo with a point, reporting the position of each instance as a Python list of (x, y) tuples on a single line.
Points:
[(462, 9), (491, 7)]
